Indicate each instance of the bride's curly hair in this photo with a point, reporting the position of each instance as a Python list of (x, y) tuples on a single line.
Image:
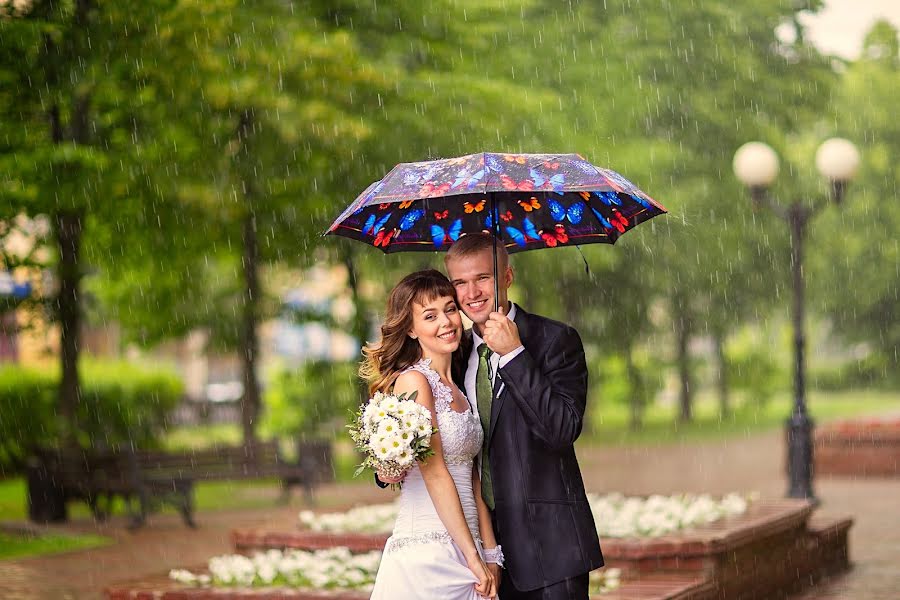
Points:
[(384, 360)]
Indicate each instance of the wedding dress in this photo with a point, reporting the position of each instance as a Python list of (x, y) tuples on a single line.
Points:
[(420, 560)]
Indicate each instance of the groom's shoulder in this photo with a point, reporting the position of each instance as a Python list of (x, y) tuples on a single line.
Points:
[(546, 324)]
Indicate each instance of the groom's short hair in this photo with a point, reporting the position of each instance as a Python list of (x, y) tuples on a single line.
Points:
[(476, 243)]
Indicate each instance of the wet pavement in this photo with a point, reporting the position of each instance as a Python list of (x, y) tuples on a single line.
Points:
[(752, 464)]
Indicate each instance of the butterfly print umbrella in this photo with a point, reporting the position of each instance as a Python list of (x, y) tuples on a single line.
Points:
[(528, 201)]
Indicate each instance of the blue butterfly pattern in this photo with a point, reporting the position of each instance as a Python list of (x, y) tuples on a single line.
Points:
[(603, 221), (609, 198), (560, 214), (410, 218), (440, 236), (372, 226), (556, 181), (522, 238)]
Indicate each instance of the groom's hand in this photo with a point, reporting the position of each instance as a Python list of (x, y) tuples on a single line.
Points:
[(500, 333)]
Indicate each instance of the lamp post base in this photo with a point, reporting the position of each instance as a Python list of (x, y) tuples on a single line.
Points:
[(800, 456)]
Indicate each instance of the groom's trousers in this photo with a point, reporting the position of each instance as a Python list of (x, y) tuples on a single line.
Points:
[(569, 589)]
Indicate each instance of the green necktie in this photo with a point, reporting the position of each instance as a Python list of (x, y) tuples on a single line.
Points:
[(484, 398)]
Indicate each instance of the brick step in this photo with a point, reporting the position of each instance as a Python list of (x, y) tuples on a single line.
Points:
[(246, 541), (775, 549), (825, 525), (163, 588), (863, 448), (828, 543), (663, 587), (649, 587)]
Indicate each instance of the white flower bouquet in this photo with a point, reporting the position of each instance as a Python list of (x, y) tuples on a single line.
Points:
[(392, 432)]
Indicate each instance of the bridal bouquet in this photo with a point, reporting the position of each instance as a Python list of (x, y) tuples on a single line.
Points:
[(392, 432)]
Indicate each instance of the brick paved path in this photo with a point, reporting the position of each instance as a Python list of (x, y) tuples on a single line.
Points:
[(750, 464)]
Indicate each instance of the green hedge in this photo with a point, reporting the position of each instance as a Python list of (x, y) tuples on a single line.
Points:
[(872, 372), (121, 403), (313, 399)]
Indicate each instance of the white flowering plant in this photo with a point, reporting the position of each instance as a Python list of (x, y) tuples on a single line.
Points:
[(335, 569), (603, 581), (332, 568), (392, 432), (616, 515)]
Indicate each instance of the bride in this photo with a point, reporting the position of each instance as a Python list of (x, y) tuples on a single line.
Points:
[(443, 536)]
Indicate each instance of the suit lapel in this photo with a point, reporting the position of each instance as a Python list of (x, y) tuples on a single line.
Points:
[(499, 386), (460, 362)]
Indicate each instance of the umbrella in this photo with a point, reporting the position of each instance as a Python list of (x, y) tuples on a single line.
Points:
[(527, 201)]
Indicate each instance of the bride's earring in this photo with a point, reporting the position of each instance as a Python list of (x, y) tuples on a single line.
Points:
[(413, 336)]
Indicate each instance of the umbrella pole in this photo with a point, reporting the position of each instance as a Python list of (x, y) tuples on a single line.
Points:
[(495, 220)]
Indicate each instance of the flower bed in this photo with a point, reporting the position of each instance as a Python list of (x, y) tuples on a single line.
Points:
[(863, 448), (333, 569), (771, 549), (616, 516)]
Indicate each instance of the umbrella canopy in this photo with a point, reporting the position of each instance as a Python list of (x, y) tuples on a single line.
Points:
[(528, 201)]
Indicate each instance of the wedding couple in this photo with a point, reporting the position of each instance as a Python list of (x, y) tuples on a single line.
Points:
[(503, 489)]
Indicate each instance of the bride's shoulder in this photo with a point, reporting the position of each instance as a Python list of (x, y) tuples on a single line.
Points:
[(415, 381), (412, 377)]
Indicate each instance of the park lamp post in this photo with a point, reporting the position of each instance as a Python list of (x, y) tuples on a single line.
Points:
[(756, 166)]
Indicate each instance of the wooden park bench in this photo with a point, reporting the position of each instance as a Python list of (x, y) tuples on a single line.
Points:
[(148, 479)]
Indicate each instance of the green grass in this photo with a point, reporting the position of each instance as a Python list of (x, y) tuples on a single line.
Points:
[(608, 424), (21, 546), (12, 499), (208, 495), (13, 503)]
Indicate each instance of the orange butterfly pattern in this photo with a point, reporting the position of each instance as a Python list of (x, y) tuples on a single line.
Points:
[(526, 185), (477, 207), (530, 204)]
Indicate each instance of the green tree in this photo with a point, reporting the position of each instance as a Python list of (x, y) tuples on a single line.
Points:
[(73, 81), (856, 260), (713, 77)]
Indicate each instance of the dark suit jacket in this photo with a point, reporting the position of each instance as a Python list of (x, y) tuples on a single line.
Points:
[(541, 516)]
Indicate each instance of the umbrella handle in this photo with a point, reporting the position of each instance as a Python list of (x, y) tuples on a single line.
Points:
[(495, 218)]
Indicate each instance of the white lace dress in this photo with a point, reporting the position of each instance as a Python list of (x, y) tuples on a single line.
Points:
[(420, 559)]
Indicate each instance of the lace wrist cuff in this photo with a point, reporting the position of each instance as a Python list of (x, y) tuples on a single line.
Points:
[(494, 555)]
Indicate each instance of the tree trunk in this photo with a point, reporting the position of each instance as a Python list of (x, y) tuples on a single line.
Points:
[(361, 326), (637, 400), (250, 403), (721, 374), (68, 226), (682, 337)]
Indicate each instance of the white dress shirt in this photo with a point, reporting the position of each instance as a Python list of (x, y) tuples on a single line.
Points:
[(496, 361)]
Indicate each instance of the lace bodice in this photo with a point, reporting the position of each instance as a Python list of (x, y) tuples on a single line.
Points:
[(461, 438), (461, 433)]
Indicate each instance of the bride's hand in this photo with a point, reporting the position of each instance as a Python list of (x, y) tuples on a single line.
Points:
[(487, 585), (385, 478)]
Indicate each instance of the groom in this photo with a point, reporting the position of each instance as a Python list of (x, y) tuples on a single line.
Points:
[(530, 476)]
